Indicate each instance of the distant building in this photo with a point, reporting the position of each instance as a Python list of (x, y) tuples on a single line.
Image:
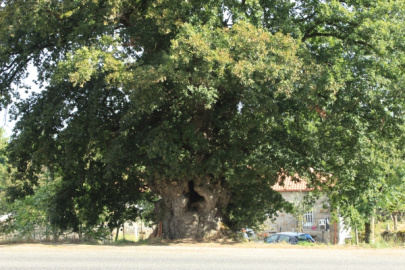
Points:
[(317, 221)]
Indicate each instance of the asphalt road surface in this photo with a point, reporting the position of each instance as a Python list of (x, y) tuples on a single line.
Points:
[(197, 257)]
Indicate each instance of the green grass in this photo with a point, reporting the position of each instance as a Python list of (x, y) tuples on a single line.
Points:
[(129, 239), (306, 244)]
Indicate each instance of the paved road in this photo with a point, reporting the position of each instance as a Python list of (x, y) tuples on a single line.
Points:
[(196, 257)]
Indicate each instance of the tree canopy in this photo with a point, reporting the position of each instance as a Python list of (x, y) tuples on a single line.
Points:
[(203, 103)]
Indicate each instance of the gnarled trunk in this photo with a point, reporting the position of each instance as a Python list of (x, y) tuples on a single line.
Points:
[(190, 208)]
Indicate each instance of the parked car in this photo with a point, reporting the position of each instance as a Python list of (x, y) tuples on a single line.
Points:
[(289, 237)]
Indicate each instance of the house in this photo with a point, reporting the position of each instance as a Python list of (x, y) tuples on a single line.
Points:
[(316, 219)]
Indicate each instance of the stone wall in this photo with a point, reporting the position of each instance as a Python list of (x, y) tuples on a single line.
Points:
[(321, 227)]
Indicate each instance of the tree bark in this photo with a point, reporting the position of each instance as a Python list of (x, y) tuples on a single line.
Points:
[(118, 231), (394, 220), (372, 232), (190, 208), (369, 231)]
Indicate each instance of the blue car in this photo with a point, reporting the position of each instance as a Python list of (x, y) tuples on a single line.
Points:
[(289, 237)]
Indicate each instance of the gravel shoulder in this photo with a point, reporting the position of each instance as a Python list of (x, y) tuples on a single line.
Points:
[(190, 255), (46, 247)]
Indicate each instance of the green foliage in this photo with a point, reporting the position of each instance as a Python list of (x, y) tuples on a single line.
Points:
[(263, 204), (306, 244), (394, 237), (31, 214), (4, 174), (140, 92), (3, 160)]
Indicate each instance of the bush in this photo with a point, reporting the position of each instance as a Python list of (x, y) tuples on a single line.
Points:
[(396, 237)]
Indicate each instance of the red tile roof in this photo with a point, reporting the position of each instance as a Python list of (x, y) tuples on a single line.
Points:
[(287, 183)]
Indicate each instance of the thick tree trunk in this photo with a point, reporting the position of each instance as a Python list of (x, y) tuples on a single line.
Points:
[(190, 208)]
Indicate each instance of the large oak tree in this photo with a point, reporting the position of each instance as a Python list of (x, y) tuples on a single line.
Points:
[(202, 103)]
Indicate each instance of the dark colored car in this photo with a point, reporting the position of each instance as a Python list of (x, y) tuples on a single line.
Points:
[(289, 237)]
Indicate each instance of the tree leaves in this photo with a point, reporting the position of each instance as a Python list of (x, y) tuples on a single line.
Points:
[(236, 91)]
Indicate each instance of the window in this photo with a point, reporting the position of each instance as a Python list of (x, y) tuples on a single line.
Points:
[(284, 239), (272, 239), (308, 219)]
